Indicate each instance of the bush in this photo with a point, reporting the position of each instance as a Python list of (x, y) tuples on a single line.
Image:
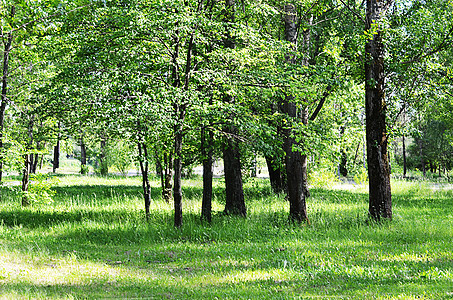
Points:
[(40, 189), (322, 178)]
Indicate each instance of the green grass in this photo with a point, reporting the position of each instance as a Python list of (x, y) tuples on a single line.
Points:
[(93, 242)]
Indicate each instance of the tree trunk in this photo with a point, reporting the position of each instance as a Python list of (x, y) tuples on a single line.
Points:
[(103, 159), (168, 176), (404, 158), (144, 168), (207, 139), (56, 151), (83, 157), (34, 164), (177, 183), (380, 202), (342, 166), (343, 170), (26, 180), (296, 163), (276, 176), (235, 203), (27, 165), (4, 99)]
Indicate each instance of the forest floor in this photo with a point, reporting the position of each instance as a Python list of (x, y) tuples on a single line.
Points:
[(93, 242)]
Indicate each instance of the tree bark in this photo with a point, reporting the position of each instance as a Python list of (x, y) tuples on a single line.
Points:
[(342, 166), (276, 176), (56, 151), (144, 168), (103, 159), (207, 139), (380, 201), (4, 98), (235, 203), (168, 176), (26, 180), (83, 157), (296, 163), (27, 165), (404, 158), (177, 182)]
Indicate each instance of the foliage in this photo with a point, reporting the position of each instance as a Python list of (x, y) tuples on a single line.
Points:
[(40, 190), (322, 178), (120, 155), (361, 177)]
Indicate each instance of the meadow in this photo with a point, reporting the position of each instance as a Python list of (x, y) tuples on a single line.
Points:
[(93, 242)]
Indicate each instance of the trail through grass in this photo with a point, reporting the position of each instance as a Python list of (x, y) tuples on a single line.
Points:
[(93, 242)]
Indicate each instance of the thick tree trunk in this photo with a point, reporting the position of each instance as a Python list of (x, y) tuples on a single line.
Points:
[(380, 202), (235, 203), (296, 163), (4, 99), (296, 171), (276, 176), (144, 168), (207, 139)]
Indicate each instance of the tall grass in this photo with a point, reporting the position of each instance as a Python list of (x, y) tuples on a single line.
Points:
[(93, 242)]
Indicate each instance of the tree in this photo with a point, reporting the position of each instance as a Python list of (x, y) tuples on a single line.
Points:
[(380, 203)]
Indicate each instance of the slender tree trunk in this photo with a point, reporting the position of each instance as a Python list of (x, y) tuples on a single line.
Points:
[(83, 157), (342, 169), (404, 158), (34, 164), (27, 165), (56, 151), (296, 163), (207, 139), (26, 180), (380, 202), (4, 98), (144, 168), (177, 182), (160, 173), (168, 176), (103, 159), (41, 161)]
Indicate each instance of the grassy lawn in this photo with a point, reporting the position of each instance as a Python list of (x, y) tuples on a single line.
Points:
[(93, 242)]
